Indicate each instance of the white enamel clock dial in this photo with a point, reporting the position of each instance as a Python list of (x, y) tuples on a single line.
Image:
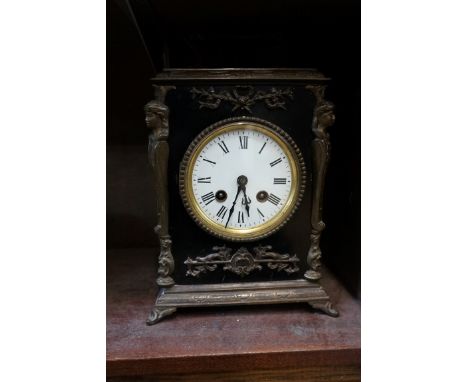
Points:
[(242, 180)]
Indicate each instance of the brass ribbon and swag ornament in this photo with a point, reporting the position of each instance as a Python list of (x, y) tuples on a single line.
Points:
[(239, 159)]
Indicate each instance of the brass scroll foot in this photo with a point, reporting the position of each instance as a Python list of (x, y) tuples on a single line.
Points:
[(158, 313), (325, 307)]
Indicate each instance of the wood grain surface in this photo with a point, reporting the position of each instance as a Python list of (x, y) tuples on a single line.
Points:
[(247, 343), (313, 374)]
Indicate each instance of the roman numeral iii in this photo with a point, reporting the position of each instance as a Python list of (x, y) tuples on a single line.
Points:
[(208, 198), (279, 181)]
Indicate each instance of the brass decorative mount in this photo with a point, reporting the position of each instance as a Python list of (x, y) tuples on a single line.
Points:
[(242, 97), (242, 262)]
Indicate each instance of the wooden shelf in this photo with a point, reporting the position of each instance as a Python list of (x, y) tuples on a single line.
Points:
[(288, 341)]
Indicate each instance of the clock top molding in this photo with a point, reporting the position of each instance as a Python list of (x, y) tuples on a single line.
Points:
[(240, 74)]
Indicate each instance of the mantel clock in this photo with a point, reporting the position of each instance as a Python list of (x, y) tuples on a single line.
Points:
[(239, 159)]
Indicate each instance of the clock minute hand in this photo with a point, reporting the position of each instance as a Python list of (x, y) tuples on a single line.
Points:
[(231, 211), (247, 207)]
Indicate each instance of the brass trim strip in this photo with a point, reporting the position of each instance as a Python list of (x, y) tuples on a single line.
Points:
[(240, 74)]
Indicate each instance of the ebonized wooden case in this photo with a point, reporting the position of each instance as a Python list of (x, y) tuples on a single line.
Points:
[(186, 102)]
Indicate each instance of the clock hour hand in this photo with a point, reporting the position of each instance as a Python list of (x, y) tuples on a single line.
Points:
[(231, 211)]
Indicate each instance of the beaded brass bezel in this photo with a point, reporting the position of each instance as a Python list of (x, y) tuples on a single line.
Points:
[(298, 179)]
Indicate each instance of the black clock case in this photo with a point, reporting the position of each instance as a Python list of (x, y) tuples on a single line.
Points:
[(181, 116), (186, 121)]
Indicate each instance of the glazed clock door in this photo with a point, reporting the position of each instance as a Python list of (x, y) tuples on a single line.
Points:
[(242, 179)]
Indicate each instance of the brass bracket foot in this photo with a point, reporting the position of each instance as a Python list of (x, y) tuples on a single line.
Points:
[(158, 313), (326, 307)]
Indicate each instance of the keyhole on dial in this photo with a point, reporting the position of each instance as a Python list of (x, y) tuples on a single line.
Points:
[(221, 195), (262, 196)]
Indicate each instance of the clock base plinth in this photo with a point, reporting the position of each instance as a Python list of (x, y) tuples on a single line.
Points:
[(274, 292)]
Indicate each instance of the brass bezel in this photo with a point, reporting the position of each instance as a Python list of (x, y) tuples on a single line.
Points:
[(298, 179)]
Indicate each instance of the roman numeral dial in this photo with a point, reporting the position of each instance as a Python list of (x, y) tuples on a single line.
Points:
[(241, 180)]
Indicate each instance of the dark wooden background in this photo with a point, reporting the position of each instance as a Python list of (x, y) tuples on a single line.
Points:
[(292, 33)]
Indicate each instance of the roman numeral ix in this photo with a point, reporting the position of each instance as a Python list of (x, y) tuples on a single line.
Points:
[(205, 180)]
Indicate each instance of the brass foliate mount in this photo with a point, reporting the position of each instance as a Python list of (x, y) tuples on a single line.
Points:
[(242, 97), (242, 262)]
